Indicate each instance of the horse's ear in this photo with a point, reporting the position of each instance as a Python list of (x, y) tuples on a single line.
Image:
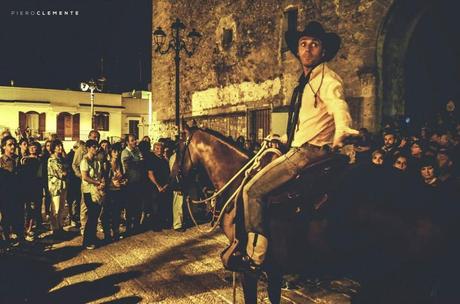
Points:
[(185, 126)]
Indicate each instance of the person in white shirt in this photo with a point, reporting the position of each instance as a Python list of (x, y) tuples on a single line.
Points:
[(319, 120)]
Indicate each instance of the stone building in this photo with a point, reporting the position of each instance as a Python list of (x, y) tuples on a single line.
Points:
[(240, 79)]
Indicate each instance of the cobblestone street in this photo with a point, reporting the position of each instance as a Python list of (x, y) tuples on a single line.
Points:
[(152, 267)]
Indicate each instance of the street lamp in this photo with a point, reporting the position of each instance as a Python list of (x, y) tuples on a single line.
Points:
[(177, 44), (93, 86)]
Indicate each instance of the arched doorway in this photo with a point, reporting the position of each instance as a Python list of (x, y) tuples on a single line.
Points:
[(432, 65), (405, 87)]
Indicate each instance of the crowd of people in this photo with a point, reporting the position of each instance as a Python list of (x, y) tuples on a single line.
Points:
[(120, 187), (123, 187)]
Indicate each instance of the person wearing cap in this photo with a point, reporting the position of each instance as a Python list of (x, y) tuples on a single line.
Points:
[(318, 120)]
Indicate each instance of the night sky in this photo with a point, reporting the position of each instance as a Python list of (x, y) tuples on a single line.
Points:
[(61, 51)]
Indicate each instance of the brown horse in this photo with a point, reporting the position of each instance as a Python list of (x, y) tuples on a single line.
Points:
[(356, 232)]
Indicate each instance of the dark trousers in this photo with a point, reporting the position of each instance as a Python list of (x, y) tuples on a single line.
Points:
[(74, 200), (111, 213), (134, 202), (16, 211), (89, 234), (165, 209)]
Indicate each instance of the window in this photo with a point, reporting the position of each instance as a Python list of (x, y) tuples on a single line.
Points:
[(101, 121), (32, 121), (227, 38), (289, 24), (64, 125)]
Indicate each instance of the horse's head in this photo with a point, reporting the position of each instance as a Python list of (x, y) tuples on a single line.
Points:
[(185, 162)]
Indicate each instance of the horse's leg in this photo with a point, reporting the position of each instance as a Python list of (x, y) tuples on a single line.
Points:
[(249, 282), (274, 286)]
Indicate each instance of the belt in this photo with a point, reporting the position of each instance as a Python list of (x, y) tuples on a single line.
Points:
[(309, 145)]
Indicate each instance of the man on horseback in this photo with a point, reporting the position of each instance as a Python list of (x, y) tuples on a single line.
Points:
[(318, 120)]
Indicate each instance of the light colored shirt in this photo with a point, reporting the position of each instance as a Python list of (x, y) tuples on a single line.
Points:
[(57, 182), (93, 167), (318, 125), (78, 156), (132, 165)]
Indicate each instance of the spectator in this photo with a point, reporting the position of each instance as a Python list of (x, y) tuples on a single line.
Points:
[(33, 181), (103, 152), (158, 174), (445, 164), (241, 142), (57, 185), (5, 132), (79, 154), (23, 148), (12, 217), (428, 172), (74, 188), (150, 206), (46, 153), (111, 211), (389, 146), (377, 157), (177, 203), (135, 174), (363, 146), (146, 138), (93, 191), (400, 162)]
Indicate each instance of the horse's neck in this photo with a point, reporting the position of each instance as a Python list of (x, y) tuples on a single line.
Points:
[(220, 160)]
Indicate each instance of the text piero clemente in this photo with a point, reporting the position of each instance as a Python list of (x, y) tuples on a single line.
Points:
[(44, 13)]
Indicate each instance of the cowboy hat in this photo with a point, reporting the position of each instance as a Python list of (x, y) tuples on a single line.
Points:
[(330, 41)]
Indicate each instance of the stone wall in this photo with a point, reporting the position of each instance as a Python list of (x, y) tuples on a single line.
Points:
[(254, 70)]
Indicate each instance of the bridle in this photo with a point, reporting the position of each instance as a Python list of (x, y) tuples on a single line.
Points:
[(180, 176)]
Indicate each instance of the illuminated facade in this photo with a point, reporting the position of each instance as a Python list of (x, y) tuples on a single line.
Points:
[(67, 113)]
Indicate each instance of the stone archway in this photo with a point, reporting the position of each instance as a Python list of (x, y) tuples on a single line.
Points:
[(392, 45)]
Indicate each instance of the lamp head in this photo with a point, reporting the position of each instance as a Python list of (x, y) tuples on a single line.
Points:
[(84, 86), (159, 37)]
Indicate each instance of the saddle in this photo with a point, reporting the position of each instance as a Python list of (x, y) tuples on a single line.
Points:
[(311, 188), (308, 193)]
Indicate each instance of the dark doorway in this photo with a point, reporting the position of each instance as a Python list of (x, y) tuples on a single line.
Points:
[(134, 128), (432, 65)]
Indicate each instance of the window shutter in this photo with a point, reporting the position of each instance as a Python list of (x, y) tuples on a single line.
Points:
[(22, 121), (76, 126), (60, 128), (41, 124)]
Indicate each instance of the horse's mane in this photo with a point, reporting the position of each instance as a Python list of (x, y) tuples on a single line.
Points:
[(221, 137)]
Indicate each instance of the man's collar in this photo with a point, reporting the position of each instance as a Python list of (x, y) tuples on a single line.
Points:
[(8, 157), (313, 73), (317, 70)]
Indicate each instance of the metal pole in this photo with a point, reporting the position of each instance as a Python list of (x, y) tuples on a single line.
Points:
[(92, 108), (177, 61), (150, 115)]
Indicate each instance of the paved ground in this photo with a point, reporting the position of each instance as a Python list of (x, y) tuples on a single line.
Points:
[(152, 267)]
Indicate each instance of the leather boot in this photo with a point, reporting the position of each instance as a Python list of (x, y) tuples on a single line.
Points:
[(256, 248)]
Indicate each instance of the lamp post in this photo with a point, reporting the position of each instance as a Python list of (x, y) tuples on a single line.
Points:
[(92, 86), (177, 44)]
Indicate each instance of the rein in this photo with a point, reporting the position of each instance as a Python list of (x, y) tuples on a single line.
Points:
[(252, 164)]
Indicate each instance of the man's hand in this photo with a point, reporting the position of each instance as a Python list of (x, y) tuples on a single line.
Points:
[(340, 135)]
